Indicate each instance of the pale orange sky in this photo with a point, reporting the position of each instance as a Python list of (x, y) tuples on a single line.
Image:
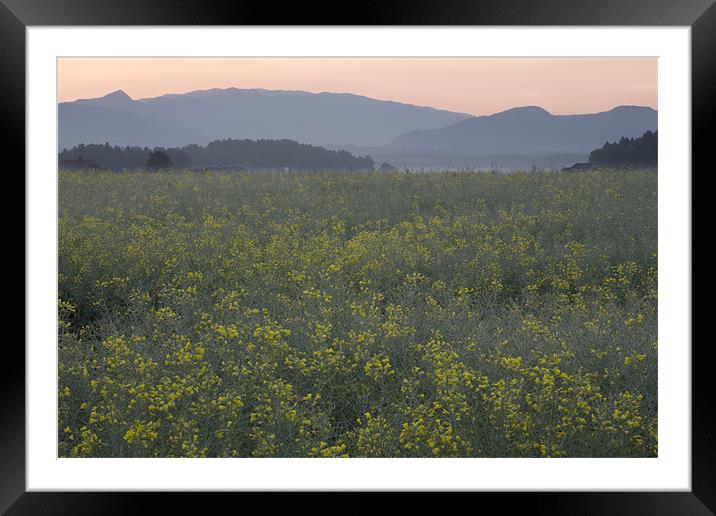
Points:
[(471, 85)]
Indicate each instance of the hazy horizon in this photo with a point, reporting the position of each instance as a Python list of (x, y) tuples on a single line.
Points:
[(516, 106), (475, 86)]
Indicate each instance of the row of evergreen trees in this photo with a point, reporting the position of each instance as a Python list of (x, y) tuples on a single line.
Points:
[(628, 151), (250, 154)]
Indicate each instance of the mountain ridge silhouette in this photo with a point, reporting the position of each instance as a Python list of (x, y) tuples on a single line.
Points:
[(313, 118), (342, 120)]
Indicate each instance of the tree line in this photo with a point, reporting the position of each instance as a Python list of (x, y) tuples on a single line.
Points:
[(228, 153), (628, 151)]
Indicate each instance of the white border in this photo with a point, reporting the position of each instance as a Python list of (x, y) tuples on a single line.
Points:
[(670, 471)]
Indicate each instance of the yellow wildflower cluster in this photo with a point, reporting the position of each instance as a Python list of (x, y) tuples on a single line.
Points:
[(315, 314)]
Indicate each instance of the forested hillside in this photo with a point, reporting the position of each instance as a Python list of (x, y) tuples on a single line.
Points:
[(253, 154), (629, 151)]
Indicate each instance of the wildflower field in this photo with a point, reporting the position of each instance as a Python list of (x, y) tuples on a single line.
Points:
[(358, 314)]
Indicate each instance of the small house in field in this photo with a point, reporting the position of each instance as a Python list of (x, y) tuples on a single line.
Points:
[(78, 164)]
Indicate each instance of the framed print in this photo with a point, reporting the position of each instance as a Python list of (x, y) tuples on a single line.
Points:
[(425, 249)]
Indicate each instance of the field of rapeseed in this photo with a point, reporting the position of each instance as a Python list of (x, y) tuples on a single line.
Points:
[(231, 314)]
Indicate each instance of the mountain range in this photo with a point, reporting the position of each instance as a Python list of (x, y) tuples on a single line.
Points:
[(530, 130), (417, 136), (202, 116)]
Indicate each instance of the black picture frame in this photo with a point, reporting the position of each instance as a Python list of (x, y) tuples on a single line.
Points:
[(16, 15)]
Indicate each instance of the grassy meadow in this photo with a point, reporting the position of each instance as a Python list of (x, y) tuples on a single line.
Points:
[(358, 314)]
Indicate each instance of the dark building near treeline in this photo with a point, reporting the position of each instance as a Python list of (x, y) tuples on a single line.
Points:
[(78, 164)]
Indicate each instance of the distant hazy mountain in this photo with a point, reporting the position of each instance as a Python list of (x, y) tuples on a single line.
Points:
[(528, 131), (202, 116), (88, 123)]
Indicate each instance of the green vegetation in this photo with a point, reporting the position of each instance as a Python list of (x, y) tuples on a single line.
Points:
[(229, 153), (642, 151), (158, 160), (377, 314)]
